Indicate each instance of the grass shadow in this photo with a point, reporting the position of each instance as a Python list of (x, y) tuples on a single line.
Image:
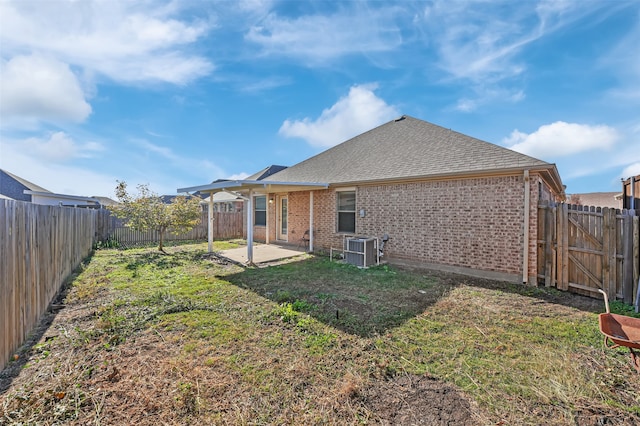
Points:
[(368, 302), (364, 302)]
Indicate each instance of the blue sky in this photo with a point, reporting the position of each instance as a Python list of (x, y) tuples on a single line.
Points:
[(176, 94)]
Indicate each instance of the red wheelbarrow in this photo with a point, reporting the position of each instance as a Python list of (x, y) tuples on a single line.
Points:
[(620, 330)]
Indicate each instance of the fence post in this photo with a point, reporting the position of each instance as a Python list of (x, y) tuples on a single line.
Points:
[(548, 246), (636, 259), (563, 247), (627, 247)]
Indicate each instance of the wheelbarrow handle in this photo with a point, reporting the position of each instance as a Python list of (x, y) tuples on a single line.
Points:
[(610, 344), (606, 299)]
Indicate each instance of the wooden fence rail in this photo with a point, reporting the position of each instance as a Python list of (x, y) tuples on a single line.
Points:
[(39, 248), (582, 249), (226, 225)]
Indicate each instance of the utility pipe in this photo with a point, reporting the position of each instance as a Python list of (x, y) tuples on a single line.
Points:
[(268, 207), (527, 202), (632, 203), (310, 221)]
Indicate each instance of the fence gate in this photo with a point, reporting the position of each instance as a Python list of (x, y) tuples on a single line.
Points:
[(583, 249)]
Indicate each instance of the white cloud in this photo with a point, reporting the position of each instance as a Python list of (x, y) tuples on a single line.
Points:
[(60, 178), (485, 95), (239, 176), (38, 87), (562, 139), (359, 111), (319, 38), (480, 41), (59, 147), (126, 41), (180, 162), (631, 170), (51, 162)]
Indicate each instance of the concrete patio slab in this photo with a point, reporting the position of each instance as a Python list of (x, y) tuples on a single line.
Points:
[(262, 253)]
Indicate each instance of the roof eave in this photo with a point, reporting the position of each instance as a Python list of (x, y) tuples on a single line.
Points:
[(550, 168), (65, 196), (242, 185)]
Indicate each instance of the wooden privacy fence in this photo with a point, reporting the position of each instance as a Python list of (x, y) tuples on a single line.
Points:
[(225, 225), (582, 249), (39, 248), (41, 245)]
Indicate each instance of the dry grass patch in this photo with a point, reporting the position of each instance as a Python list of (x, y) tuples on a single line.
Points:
[(149, 339)]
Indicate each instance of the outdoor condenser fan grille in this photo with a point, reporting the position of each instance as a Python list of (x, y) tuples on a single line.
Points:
[(361, 252)]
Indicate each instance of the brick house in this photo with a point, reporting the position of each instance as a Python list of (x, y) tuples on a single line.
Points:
[(446, 200)]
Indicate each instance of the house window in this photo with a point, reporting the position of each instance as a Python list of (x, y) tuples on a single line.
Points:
[(260, 211), (347, 211)]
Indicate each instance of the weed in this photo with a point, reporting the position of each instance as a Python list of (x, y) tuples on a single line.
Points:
[(286, 312), (619, 307), (309, 342), (109, 243), (188, 397), (302, 306)]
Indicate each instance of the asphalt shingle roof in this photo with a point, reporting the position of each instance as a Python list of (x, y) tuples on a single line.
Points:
[(266, 172), (26, 183), (405, 148)]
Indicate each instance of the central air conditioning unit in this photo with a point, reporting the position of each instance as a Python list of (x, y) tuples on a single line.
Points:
[(361, 251)]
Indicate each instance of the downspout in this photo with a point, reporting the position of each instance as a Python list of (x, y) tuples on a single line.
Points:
[(527, 202), (310, 221), (632, 203), (210, 227), (268, 207)]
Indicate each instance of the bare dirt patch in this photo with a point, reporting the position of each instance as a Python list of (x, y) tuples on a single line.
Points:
[(144, 340), (420, 400)]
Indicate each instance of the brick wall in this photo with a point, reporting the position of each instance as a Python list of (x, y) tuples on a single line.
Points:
[(469, 223), (474, 223)]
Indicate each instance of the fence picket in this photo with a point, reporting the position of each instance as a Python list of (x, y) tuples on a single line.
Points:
[(594, 248), (40, 246)]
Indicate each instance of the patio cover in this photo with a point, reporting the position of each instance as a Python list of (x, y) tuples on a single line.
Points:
[(246, 189)]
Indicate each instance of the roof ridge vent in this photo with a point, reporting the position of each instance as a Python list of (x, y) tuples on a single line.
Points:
[(402, 117)]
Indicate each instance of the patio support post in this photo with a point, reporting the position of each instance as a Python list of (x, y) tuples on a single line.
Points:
[(250, 228), (310, 221), (266, 237), (527, 202), (210, 225)]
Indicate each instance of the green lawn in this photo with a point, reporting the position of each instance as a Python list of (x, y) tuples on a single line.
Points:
[(180, 338)]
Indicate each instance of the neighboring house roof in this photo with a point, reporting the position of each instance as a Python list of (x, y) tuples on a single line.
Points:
[(168, 199), (223, 197), (62, 199), (106, 201), (408, 148), (13, 186), (599, 199), (266, 172)]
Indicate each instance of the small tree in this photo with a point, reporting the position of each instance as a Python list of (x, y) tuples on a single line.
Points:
[(145, 211)]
